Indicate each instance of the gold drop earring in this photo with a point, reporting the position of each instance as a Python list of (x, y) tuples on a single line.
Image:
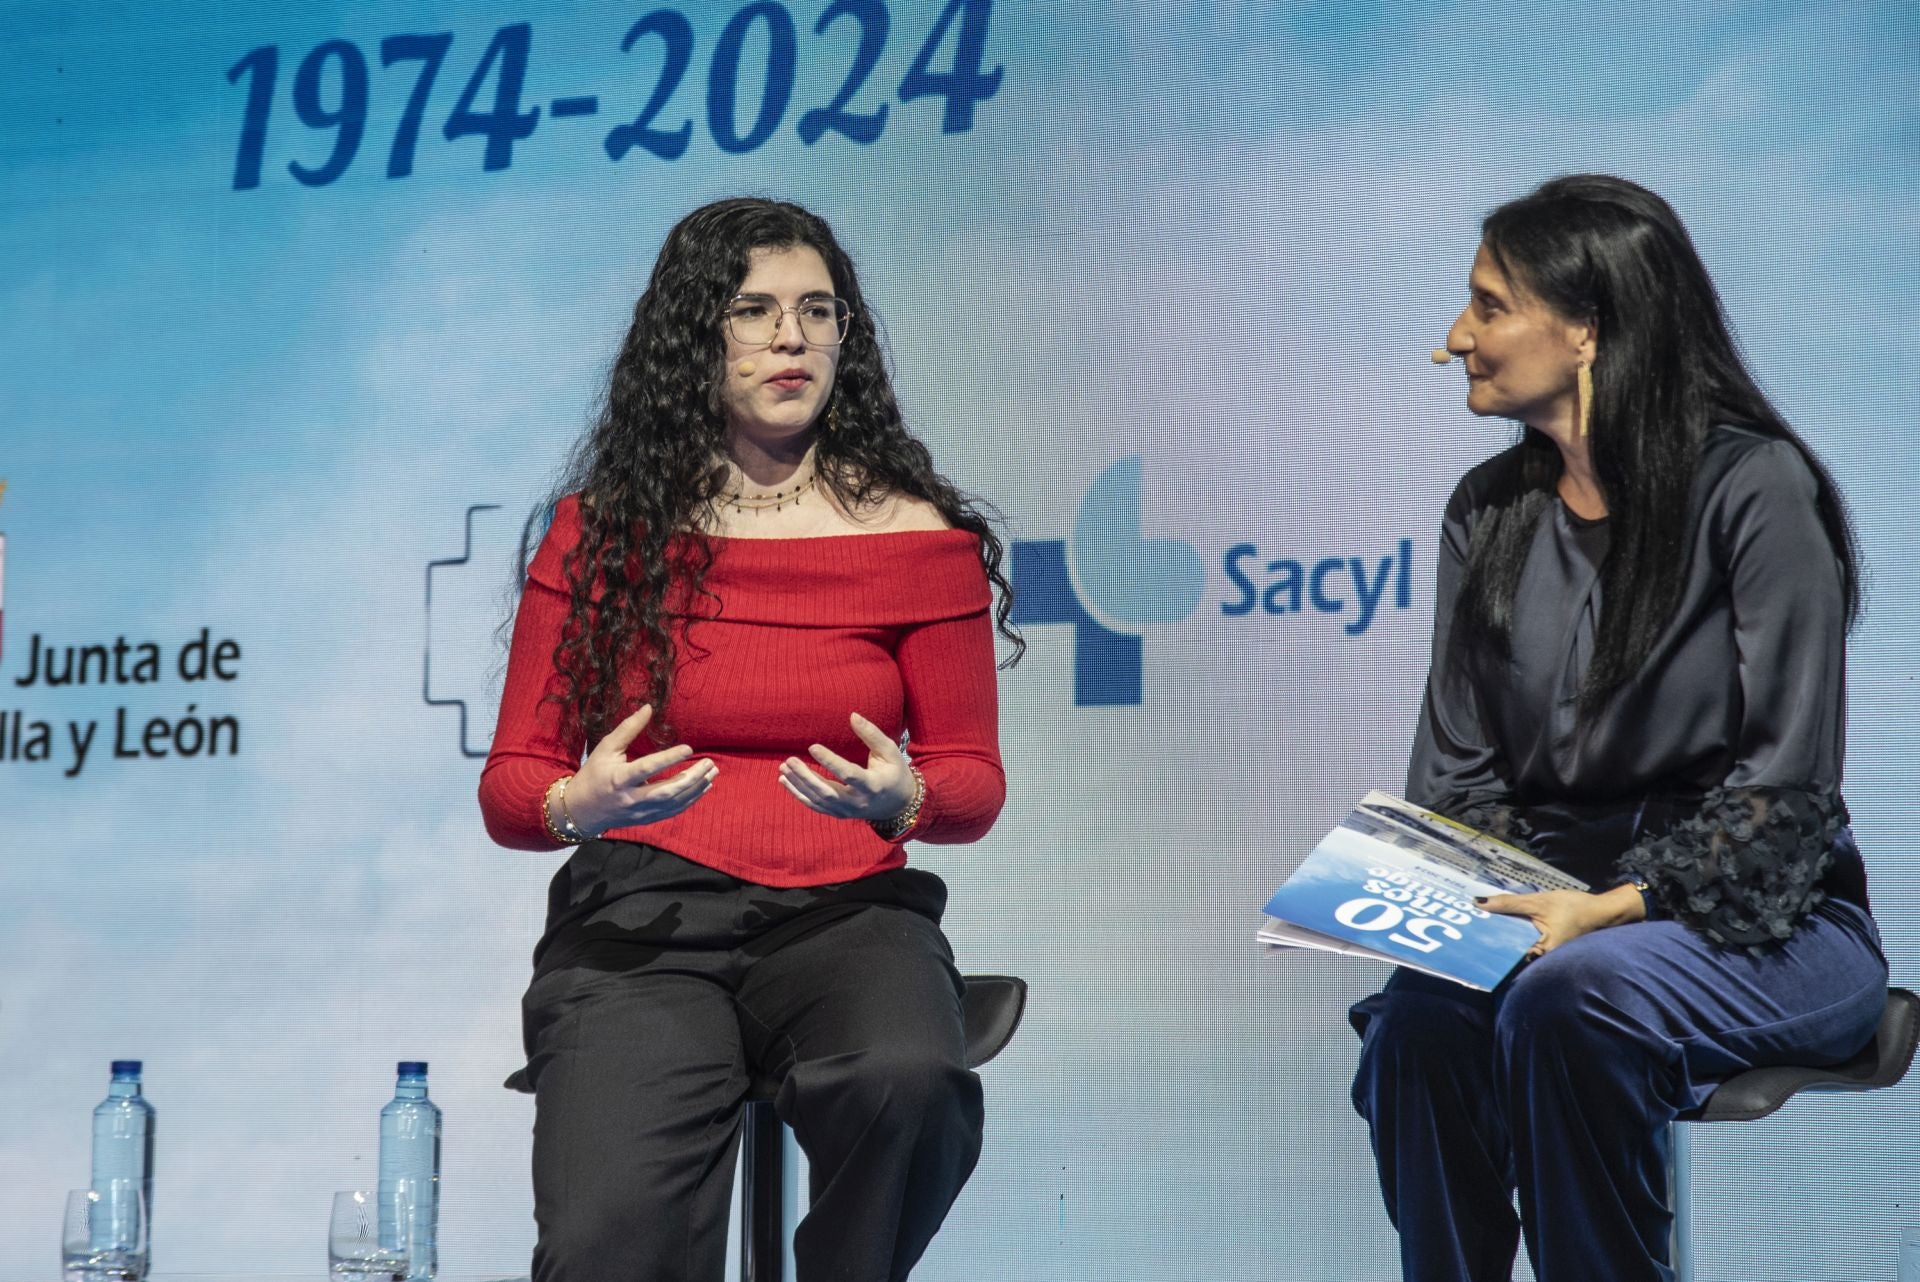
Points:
[(1583, 390)]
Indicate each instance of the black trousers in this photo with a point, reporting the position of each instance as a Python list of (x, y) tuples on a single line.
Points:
[(660, 985)]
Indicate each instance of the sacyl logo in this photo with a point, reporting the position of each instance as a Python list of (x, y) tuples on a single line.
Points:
[(1126, 579), (1287, 585), (1109, 583)]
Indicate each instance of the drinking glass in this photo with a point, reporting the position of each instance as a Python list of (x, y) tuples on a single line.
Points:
[(1910, 1253), (103, 1237), (366, 1240)]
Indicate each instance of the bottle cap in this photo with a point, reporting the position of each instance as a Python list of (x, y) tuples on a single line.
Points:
[(123, 1067), (413, 1068)]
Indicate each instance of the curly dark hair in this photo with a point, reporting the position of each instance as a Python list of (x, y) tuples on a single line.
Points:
[(651, 463)]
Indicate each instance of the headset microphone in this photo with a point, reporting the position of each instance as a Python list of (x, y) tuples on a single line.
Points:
[(745, 368), (1441, 356)]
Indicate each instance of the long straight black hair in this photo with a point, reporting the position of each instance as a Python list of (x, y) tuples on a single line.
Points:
[(1668, 368)]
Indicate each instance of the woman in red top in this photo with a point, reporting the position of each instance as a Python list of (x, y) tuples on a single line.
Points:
[(756, 590)]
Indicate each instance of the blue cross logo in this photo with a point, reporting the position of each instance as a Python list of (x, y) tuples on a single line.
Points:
[(1109, 581)]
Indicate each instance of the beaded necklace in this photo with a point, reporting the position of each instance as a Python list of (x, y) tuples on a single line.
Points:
[(774, 499)]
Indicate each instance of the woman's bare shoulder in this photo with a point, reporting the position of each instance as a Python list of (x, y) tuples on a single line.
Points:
[(891, 512), (900, 512)]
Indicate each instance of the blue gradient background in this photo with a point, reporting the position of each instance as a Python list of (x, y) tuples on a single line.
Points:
[(1218, 236)]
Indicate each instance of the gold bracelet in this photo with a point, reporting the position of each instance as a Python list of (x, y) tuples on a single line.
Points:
[(571, 835), (892, 829), (566, 813)]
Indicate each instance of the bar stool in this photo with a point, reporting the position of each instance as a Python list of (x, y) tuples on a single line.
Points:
[(991, 1007), (1760, 1091)]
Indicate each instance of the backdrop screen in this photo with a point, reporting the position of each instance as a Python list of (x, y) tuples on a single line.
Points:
[(302, 306)]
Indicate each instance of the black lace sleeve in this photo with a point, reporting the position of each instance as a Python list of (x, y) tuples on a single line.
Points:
[(1745, 870)]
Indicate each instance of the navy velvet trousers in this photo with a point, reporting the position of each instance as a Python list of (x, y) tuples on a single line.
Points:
[(1560, 1085)]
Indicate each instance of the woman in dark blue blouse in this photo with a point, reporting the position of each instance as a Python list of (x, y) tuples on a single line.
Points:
[(1639, 674)]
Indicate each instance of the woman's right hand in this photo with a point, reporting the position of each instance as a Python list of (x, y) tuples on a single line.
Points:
[(608, 791)]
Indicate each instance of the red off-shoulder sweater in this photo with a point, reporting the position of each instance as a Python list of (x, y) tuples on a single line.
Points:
[(895, 626)]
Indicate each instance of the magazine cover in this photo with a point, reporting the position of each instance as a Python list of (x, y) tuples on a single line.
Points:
[(1397, 883)]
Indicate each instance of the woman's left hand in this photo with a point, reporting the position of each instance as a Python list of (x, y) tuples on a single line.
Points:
[(875, 793), (1564, 915)]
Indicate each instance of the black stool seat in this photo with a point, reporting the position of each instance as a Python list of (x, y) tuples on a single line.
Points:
[(992, 1007), (1759, 1091)]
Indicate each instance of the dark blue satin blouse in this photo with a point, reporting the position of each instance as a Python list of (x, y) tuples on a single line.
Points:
[(1714, 772)]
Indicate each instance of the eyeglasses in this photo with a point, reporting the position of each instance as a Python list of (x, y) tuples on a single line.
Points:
[(754, 319)]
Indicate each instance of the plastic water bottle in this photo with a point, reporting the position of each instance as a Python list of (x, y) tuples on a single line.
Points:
[(410, 1165), (123, 1147)]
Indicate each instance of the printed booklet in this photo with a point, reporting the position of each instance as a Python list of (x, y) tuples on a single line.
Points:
[(1397, 883)]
